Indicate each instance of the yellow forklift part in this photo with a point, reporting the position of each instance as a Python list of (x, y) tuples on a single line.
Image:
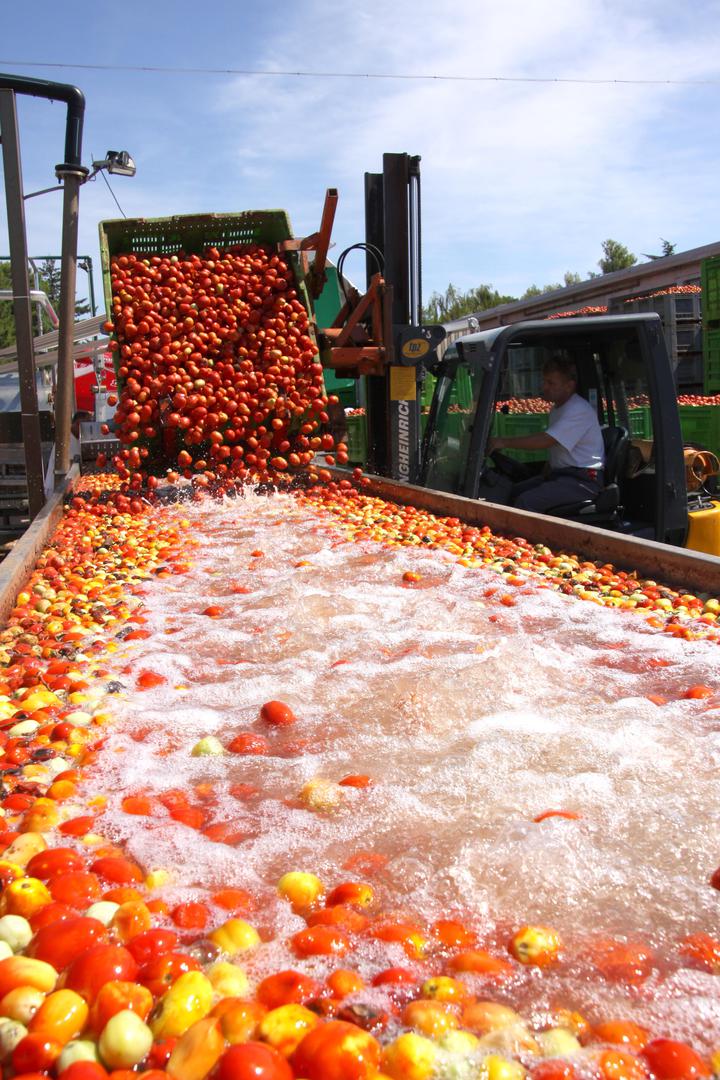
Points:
[(704, 530)]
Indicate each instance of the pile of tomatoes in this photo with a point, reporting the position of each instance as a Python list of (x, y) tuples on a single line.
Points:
[(218, 373), (101, 977)]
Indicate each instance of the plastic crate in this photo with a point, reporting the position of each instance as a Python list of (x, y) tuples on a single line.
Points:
[(512, 424), (700, 425), (640, 423), (711, 362), (710, 280), (671, 307), (191, 233), (356, 439)]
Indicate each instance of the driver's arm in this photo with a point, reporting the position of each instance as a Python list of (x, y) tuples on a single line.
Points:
[(539, 440)]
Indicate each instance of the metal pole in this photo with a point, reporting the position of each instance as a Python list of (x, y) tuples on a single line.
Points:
[(64, 402), (21, 301)]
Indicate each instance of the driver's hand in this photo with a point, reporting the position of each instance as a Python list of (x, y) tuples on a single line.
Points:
[(492, 445)]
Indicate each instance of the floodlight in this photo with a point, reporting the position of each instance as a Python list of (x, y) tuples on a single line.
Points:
[(117, 162)]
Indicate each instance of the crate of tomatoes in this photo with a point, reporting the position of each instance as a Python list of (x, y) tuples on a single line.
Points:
[(212, 338)]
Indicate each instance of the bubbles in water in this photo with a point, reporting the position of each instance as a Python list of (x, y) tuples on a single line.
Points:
[(471, 719)]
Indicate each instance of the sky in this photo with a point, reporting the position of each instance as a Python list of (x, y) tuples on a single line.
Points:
[(522, 179)]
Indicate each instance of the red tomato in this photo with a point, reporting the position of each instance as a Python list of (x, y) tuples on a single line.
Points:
[(247, 742), (286, 988), (337, 1050), (35, 1051), (320, 941), (78, 826), (252, 1061), (117, 869), (79, 888), (84, 1070), (159, 974), (671, 1060), (98, 965), (277, 714), (190, 916), (152, 944), (148, 680), (51, 913), (59, 946), (395, 977)]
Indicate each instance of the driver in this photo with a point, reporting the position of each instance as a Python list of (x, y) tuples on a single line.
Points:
[(574, 471)]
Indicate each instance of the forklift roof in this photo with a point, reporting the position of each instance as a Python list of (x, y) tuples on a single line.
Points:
[(573, 325)]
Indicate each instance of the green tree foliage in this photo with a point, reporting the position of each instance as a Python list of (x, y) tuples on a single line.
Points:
[(453, 304), (666, 249), (7, 320), (50, 283), (569, 278), (615, 257)]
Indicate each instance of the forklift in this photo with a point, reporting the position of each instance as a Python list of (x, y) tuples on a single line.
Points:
[(489, 383), (654, 488)]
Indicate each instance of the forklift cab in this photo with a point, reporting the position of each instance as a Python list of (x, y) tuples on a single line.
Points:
[(489, 384)]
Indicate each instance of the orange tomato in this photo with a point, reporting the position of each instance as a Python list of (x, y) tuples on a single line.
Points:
[(337, 1050)]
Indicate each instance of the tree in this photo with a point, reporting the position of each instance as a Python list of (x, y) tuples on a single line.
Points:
[(453, 304), (49, 273), (570, 277), (666, 249), (7, 319), (615, 257)]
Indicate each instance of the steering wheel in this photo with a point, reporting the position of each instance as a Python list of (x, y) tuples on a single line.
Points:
[(507, 466)]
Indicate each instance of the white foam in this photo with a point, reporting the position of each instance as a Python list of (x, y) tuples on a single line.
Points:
[(469, 728)]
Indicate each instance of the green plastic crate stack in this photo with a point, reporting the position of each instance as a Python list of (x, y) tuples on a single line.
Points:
[(710, 281), (711, 361), (192, 234), (700, 425)]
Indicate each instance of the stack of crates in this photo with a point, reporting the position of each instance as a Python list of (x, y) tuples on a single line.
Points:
[(710, 277), (680, 315)]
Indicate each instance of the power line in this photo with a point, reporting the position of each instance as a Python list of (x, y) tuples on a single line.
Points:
[(113, 194), (369, 75)]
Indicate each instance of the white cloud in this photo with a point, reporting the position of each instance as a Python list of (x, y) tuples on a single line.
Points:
[(521, 180)]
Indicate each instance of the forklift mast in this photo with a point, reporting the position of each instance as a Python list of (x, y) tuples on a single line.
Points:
[(392, 233)]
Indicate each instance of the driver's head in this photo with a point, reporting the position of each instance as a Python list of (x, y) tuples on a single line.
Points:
[(559, 379)]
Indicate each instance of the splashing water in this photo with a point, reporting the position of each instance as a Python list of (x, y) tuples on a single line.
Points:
[(471, 718)]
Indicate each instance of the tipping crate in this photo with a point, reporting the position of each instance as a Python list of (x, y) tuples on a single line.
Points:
[(192, 234)]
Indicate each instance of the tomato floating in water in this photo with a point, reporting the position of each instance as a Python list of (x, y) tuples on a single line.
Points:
[(148, 680), (337, 1050), (60, 860), (98, 965), (152, 944), (252, 1061), (672, 1060), (286, 988), (277, 714), (59, 946), (247, 742)]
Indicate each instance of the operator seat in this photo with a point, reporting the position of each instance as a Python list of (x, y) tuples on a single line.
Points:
[(605, 508)]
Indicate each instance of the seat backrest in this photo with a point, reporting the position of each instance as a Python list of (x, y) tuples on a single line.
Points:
[(616, 440)]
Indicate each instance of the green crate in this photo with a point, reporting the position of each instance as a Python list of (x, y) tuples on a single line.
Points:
[(711, 361), (357, 439), (461, 393), (640, 423), (700, 425), (191, 233), (512, 424), (710, 282)]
